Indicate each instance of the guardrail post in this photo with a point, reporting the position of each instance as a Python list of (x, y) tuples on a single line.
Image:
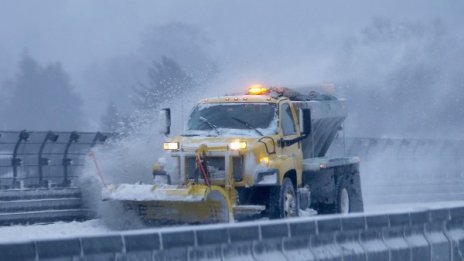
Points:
[(209, 244), (434, 233), (270, 245), (241, 242), (176, 245), (454, 231), (15, 161), (44, 161), (371, 239), (394, 236), (99, 137), (323, 244), (348, 238), (298, 245), (73, 138), (414, 235)]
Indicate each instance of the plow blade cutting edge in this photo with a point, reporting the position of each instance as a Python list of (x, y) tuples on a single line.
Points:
[(173, 204)]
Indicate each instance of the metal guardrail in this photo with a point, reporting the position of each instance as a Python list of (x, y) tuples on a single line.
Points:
[(412, 157), (420, 235), (406, 170), (399, 147), (30, 159)]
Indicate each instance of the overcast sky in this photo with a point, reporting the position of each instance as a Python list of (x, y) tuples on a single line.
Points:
[(80, 32), (63, 29), (272, 41)]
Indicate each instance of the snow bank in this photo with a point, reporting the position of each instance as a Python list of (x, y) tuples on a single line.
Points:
[(52, 231)]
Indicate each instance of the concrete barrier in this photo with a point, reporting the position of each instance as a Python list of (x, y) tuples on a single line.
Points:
[(436, 234)]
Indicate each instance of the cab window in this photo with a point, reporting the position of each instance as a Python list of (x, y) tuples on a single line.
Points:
[(288, 125)]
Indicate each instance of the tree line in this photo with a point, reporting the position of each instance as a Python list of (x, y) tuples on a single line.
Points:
[(43, 96)]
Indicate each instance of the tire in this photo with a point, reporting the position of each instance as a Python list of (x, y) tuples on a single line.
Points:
[(348, 195), (283, 200)]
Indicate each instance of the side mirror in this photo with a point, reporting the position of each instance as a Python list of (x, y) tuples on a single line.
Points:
[(165, 121), (305, 121)]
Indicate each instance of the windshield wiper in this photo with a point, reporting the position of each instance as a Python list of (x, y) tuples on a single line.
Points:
[(212, 126), (189, 135), (247, 125)]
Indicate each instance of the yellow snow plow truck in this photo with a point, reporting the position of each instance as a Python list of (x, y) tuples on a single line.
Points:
[(241, 156)]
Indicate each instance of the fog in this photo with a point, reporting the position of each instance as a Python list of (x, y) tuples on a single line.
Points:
[(397, 63), (110, 65)]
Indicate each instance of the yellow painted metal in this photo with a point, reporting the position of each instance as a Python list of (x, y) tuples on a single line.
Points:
[(192, 204), (242, 99), (176, 193), (195, 203), (285, 159)]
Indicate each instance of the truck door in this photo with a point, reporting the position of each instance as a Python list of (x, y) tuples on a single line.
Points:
[(290, 145)]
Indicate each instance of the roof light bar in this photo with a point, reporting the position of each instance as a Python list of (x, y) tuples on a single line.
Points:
[(257, 89)]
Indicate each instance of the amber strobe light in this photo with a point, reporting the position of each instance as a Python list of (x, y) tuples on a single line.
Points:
[(257, 89)]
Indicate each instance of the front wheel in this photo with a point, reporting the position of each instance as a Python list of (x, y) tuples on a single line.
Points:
[(283, 201)]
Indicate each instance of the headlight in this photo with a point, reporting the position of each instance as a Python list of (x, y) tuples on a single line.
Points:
[(264, 161), (171, 145), (237, 145)]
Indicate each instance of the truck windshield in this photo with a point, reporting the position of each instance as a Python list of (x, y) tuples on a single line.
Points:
[(235, 118)]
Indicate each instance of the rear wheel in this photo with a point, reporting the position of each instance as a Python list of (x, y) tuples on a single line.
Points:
[(348, 195), (344, 201), (283, 201)]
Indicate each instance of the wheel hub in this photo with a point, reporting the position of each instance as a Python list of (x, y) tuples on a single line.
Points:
[(344, 202), (289, 205)]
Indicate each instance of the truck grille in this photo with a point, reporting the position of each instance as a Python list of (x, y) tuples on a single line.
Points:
[(216, 167), (237, 166)]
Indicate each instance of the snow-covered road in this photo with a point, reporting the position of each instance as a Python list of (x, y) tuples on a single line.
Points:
[(50, 231)]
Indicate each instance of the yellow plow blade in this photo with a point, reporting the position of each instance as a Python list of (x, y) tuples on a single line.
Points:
[(174, 204)]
